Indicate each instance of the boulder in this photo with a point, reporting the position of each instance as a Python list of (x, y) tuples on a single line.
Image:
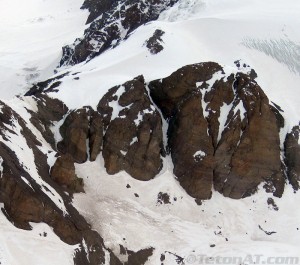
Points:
[(154, 43)]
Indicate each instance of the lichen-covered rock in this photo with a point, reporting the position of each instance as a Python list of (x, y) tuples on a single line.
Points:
[(133, 131), (292, 156)]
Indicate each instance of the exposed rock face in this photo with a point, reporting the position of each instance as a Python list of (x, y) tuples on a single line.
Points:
[(63, 173), (49, 85), (133, 138), (154, 43), (190, 145), (30, 195), (112, 22), (222, 131), (251, 141), (191, 148), (292, 156), (49, 110), (140, 257), (135, 258), (95, 135), (82, 130), (74, 132)]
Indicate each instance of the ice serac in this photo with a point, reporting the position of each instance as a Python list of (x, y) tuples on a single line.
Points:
[(133, 138), (292, 156), (111, 22), (222, 131)]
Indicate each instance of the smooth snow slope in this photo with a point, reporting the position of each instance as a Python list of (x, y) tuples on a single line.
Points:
[(40, 246), (234, 227), (32, 33)]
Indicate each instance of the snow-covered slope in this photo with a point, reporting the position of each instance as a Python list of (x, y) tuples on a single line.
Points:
[(38, 246), (219, 227), (263, 34), (32, 34)]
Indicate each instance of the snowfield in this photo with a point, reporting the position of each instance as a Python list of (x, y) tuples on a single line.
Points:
[(182, 227), (40, 246), (32, 34), (262, 33)]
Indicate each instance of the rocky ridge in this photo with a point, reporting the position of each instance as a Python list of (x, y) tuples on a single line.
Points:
[(223, 134), (110, 23)]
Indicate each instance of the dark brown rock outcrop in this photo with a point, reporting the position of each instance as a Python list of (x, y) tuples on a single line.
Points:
[(82, 133), (222, 131), (49, 85), (154, 43), (95, 135), (49, 111), (74, 132), (292, 157), (133, 131), (30, 196), (248, 152), (63, 173)]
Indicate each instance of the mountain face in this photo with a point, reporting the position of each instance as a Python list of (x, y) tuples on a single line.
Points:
[(110, 23), (189, 155)]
